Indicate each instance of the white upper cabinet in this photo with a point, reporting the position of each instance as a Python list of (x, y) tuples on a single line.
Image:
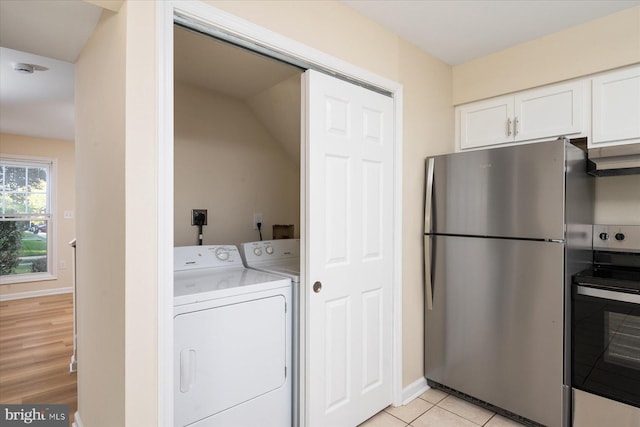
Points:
[(534, 114), (549, 112), (486, 122), (616, 108)]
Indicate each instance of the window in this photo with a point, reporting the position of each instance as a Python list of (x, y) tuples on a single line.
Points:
[(26, 220)]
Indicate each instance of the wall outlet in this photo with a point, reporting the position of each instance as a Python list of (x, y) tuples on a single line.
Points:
[(195, 213), (257, 218), (63, 264)]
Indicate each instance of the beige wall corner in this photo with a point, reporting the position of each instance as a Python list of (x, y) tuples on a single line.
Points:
[(100, 195), (112, 5), (141, 212), (602, 44), (427, 130)]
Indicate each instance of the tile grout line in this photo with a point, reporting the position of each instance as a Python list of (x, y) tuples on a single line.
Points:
[(492, 417), (464, 418), (433, 405)]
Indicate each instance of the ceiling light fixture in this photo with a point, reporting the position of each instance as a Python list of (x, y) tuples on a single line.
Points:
[(23, 68)]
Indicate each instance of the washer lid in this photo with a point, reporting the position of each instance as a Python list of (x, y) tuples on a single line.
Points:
[(204, 284), (289, 268)]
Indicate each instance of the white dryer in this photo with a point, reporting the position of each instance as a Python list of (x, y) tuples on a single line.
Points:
[(232, 341), (281, 257)]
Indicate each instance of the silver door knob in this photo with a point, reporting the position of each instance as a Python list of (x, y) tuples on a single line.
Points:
[(317, 287)]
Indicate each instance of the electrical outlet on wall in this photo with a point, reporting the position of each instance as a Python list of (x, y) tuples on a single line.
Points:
[(257, 218), (195, 213)]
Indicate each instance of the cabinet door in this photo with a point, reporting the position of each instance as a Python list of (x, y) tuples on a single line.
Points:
[(486, 122), (549, 112), (616, 107)]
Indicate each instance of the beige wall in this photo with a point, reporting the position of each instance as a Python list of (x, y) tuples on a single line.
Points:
[(226, 162), (116, 149), (427, 130), (64, 189), (100, 159), (602, 44), (618, 200), (141, 186)]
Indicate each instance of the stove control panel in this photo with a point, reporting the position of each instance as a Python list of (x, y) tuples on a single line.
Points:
[(623, 238)]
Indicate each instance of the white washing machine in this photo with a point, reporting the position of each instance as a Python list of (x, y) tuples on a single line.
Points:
[(281, 257), (232, 341)]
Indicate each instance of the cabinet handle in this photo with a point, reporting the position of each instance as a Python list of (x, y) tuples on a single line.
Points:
[(515, 126), (508, 127)]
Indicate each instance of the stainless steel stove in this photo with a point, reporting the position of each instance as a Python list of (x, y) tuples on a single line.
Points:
[(606, 331)]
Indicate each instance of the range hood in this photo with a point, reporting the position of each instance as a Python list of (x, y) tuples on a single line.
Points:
[(613, 161)]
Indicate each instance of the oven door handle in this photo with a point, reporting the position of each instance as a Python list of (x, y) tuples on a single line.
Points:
[(609, 295)]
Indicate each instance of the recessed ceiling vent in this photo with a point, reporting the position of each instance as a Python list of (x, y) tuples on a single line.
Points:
[(22, 68)]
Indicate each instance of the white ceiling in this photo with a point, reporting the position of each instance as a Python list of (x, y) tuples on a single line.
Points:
[(50, 34), (454, 31)]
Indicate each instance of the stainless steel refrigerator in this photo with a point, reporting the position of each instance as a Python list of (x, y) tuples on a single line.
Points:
[(505, 229)]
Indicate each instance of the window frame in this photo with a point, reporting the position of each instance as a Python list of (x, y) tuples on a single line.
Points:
[(51, 165)]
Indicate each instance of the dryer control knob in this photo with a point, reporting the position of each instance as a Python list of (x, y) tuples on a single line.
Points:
[(222, 254), (269, 250), (604, 236), (257, 251), (619, 236)]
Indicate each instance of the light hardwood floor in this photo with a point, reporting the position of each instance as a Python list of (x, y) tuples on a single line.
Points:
[(36, 344)]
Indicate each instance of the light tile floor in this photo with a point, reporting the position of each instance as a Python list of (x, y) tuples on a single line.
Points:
[(435, 408)]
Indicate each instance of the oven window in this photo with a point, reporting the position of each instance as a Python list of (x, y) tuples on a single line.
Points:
[(606, 348), (622, 340)]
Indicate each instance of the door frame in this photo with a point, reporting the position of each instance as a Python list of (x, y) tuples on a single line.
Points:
[(219, 20)]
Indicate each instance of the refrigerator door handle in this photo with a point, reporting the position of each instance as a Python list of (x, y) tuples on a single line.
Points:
[(428, 282), (428, 194), (428, 200)]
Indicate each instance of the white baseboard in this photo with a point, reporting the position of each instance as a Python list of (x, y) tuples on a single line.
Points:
[(31, 294), (414, 390), (77, 422)]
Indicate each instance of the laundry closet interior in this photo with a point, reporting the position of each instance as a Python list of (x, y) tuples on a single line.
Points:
[(236, 181), (236, 141)]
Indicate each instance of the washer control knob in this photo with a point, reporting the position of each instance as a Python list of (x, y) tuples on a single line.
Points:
[(269, 250), (222, 254), (257, 251), (619, 236), (604, 236)]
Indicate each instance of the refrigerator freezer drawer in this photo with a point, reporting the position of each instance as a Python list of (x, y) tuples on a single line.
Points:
[(495, 330)]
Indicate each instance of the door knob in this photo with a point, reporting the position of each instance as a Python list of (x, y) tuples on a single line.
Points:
[(317, 287)]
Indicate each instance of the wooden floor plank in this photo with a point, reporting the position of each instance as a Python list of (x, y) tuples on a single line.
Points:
[(36, 344)]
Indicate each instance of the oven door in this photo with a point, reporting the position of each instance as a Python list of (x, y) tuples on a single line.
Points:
[(606, 342)]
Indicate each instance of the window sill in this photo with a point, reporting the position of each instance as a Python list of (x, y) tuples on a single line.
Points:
[(24, 278)]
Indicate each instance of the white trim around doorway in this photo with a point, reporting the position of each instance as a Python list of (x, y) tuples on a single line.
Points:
[(219, 20)]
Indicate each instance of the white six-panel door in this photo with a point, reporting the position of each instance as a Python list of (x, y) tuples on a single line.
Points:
[(349, 251)]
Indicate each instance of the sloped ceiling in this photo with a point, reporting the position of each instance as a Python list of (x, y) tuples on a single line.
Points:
[(270, 88)]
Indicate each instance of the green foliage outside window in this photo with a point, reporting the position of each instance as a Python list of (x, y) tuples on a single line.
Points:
[(10, 245)]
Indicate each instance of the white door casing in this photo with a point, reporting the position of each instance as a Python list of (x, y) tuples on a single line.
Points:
[(349, 242)]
